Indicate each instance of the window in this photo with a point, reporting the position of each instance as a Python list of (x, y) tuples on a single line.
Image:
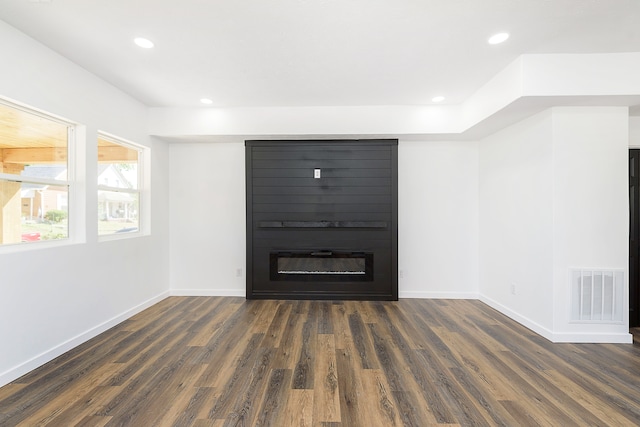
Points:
[(35, 175), (119, 186)]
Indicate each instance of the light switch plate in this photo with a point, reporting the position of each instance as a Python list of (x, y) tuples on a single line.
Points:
[(316, 173)]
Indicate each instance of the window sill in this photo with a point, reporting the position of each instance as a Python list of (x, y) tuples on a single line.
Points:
[(31, 246), (120, 236)]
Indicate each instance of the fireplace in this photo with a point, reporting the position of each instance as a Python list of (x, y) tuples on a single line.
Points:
[(321, 266), (322, 219)]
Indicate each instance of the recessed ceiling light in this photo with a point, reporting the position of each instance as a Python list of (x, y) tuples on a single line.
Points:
[(142, 42), (498, 38), (206, 101), (437, 99)]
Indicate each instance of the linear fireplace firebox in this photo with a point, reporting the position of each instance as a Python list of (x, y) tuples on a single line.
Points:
[(321, 266), (322, 219)]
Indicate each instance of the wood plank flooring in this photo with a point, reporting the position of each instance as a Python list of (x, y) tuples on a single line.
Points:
[(221, 361)]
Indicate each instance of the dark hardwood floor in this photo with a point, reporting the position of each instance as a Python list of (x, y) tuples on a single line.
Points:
[(220, 361)]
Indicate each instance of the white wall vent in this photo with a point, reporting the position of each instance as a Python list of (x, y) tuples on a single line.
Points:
[(597, 296)]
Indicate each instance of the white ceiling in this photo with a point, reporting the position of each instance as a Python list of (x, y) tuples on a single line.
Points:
[(315, 52)]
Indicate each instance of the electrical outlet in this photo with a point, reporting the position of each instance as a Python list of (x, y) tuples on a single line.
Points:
[(401, 274), (238, 272), (513, 289)]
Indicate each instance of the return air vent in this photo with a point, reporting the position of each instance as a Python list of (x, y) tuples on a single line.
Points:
[(597, 296)]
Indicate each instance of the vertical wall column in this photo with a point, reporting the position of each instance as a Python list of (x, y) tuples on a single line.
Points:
[(554, 199), (590, 213)]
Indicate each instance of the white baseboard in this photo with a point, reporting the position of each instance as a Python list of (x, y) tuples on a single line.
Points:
[(437, 295), (208, 293), (593, 338), (39, 360), (524, 321), (560, 337)]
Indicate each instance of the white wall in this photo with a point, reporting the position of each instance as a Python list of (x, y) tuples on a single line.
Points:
[(52, 299), (591, 208), (516, 220), (553, 197), (438, 212), (208, 229), (634, 132), (438, 219)]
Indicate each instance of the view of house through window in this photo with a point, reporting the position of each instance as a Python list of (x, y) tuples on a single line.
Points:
[(118, 186), (34, 177)]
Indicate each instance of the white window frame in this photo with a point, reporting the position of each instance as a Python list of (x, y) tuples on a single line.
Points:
[(142, 188), (73, 234)]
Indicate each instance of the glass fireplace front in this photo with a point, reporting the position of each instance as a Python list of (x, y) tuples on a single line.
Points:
[(322, 266)]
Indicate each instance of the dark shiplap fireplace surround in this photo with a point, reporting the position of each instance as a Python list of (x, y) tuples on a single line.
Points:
[(322, 219)]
